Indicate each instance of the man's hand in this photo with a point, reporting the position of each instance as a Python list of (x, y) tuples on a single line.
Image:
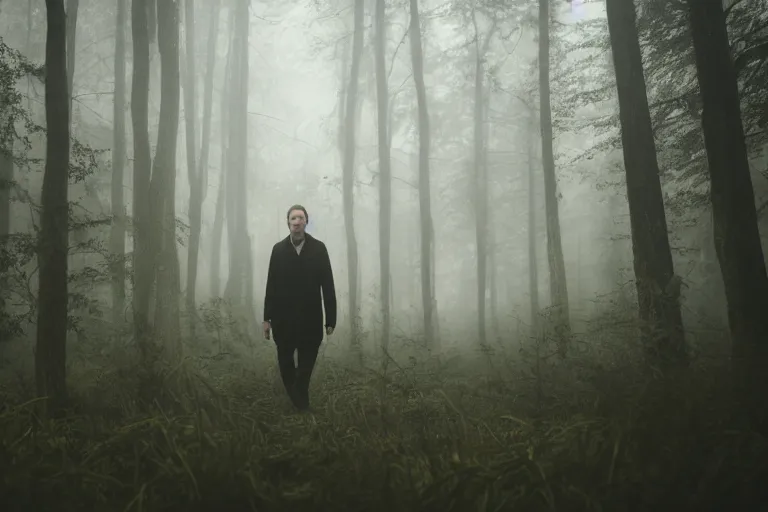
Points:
[(266, 326), (329, 330)]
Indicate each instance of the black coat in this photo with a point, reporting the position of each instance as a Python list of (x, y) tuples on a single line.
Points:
[(293, 304)]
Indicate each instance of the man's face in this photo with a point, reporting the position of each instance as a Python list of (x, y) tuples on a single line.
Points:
[(297, 222)]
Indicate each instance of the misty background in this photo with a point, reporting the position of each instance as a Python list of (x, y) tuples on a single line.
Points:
[(478, 224)]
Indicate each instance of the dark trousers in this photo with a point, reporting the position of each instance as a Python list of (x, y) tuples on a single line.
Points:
[(296, 376)]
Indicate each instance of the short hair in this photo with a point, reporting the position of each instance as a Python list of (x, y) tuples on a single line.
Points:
[(297, 207)]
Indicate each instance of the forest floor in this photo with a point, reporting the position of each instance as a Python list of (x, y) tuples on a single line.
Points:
[(472, 432)]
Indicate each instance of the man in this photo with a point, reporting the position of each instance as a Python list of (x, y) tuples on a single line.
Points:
[(299, 269)]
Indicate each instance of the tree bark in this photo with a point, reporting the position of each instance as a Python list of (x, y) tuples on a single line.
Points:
[(151, 17), (205, 143), (481, 181), (193, 173), (348, 178), (492, 241), (6, 177), (163, 185), (533, 272), (238, 162), (658, 289), (51, 347), (344, 61), (117, 231), (72, 7), (558, 287), (220, 214), (737, 239), (385, 171), (142, 171), (425, 201)]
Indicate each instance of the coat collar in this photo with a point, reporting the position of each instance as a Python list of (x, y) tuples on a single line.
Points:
[(308, 240)]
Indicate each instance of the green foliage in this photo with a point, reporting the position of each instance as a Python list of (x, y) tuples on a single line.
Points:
[(18, 268), (17, 298), (672, 89), (13, 115)]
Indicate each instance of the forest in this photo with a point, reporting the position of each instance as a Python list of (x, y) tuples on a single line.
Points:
[(544, 219)]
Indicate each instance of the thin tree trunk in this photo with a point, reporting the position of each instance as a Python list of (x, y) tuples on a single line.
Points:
[(205, 143), (51, 347), (193, 173), (231, 179), (249, 295), (349, 174), (79, 235), (6, 180), (242, 189), (238, 161), (220, 214), (492, 239), (737, 238), (72, 7), (385, 171), (6, 159), (151, 16), (117, 231), (435, 312), (558, 287), (142, 171), (28, 52), (345, 56), (481, 182), (218, 230), (425, 201), (533, 272), (658, 296), (163, 185)]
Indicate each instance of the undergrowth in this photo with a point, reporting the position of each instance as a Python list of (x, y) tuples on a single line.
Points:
[(218, 434)]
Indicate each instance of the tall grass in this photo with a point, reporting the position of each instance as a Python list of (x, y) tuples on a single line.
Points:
[(468, 432)]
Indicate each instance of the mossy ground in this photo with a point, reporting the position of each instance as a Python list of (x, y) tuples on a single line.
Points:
[(475, 432)]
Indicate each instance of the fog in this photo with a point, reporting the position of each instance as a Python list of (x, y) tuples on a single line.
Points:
[(503, 220)]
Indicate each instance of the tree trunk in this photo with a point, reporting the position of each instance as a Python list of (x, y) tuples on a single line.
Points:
[(79, 235), (151, 17), (385, 171), (6, 179), (481, 182), (51, 347), (558, 287), (425, 201), (737, 239), (345, 56), (657, 291), (492, 241), (220, 214), (72, 7), (242, 189), (193, 173), (205, 143), (117, 231), (533, 272), (142, 169), (218, 230), (28, 51), (349, 175), (163, 185), (238, 161)]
